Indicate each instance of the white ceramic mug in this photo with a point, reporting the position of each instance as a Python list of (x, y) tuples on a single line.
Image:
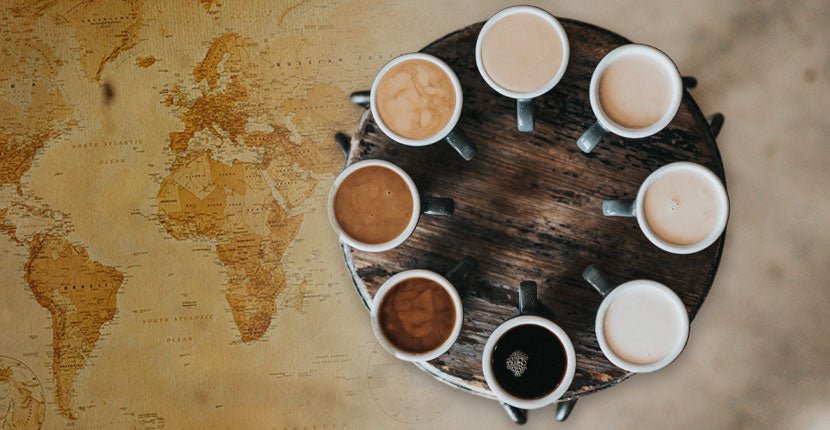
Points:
[(527, 308), (604, 124), (456, 275), (634, 208), (610, 296), (420, 205), (524, 101), (456, 139)]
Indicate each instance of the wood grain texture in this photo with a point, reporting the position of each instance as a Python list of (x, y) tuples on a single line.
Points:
[(528, 208)]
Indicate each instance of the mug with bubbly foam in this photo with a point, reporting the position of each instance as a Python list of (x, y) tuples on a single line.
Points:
[(374, 205), (681, 207), (529, 362), (522, 52), (416, 100), (635, 92), (417, 314), (641, 326)]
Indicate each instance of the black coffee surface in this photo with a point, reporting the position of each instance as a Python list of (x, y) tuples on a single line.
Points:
[(529, 361)]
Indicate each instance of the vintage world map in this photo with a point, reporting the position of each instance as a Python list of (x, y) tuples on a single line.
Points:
[(165, 257)]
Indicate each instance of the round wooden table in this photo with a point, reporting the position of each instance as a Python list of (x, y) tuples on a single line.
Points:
[(528, 208)]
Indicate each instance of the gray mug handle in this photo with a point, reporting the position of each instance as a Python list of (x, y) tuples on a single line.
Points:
[(591, 137), (624, 208), (437, 205), (524, 115), (461, 144), (528, 301), (598, 280), (462, 270)]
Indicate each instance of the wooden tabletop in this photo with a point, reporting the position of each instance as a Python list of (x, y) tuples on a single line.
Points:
[(528, 208)]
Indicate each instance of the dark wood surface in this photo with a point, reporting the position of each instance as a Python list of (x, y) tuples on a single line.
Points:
[(528, 208)]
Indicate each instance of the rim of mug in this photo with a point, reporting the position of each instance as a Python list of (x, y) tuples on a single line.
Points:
[(666, 245), (456, 114), (618, 361), (564, 384), (375, 247), (676, 85), (391, 283), (563, 37)]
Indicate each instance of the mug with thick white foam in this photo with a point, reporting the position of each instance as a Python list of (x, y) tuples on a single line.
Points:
[(522, 52), (529, 362), (375, 206), (417, 314), (416, 100), (635, 92), (641, 326), (681, 207)]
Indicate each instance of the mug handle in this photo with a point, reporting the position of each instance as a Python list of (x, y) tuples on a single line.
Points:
[(591, 137), (527, 298), (462, 270), (624, 208), (461, 144), (524, 115), (437, 205), (598, 280)]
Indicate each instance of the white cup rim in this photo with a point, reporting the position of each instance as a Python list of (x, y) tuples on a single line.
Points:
[(518, 402), (676, 85), (563, 37), (391, 283), (637, 367), (456, 114), (722, 197), (375, 247)]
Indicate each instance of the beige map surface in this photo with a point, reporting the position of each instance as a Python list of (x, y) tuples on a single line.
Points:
[(166, 260)]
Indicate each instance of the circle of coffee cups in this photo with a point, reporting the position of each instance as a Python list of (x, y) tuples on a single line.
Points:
[(604, 124), (610, 295), (410, 227), (627, 208), (454, 137), (524, 99), (565, 382), (392, 283)]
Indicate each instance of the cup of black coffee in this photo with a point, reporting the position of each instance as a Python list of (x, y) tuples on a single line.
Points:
[(529, 361)]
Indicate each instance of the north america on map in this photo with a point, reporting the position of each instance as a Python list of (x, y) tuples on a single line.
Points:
[(166, 256)]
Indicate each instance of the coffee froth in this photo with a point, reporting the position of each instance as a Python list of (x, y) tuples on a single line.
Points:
[(416, 99), (682, 207), (643, 325), (635, 91), (522, 52), (417, 315), (373, 205)]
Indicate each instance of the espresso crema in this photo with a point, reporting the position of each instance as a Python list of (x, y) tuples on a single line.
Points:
[(373, 205)]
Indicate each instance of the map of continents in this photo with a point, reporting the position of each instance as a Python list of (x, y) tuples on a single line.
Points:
[(245, 207), (165, 256), (238, 177)]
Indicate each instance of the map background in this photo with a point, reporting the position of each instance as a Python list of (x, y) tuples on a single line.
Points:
[(314, 364)]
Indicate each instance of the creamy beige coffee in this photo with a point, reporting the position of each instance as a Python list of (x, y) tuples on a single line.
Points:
[(373, 205), (416, 99), (682, 207), (643, 325), (521, 52), (635, 91)]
